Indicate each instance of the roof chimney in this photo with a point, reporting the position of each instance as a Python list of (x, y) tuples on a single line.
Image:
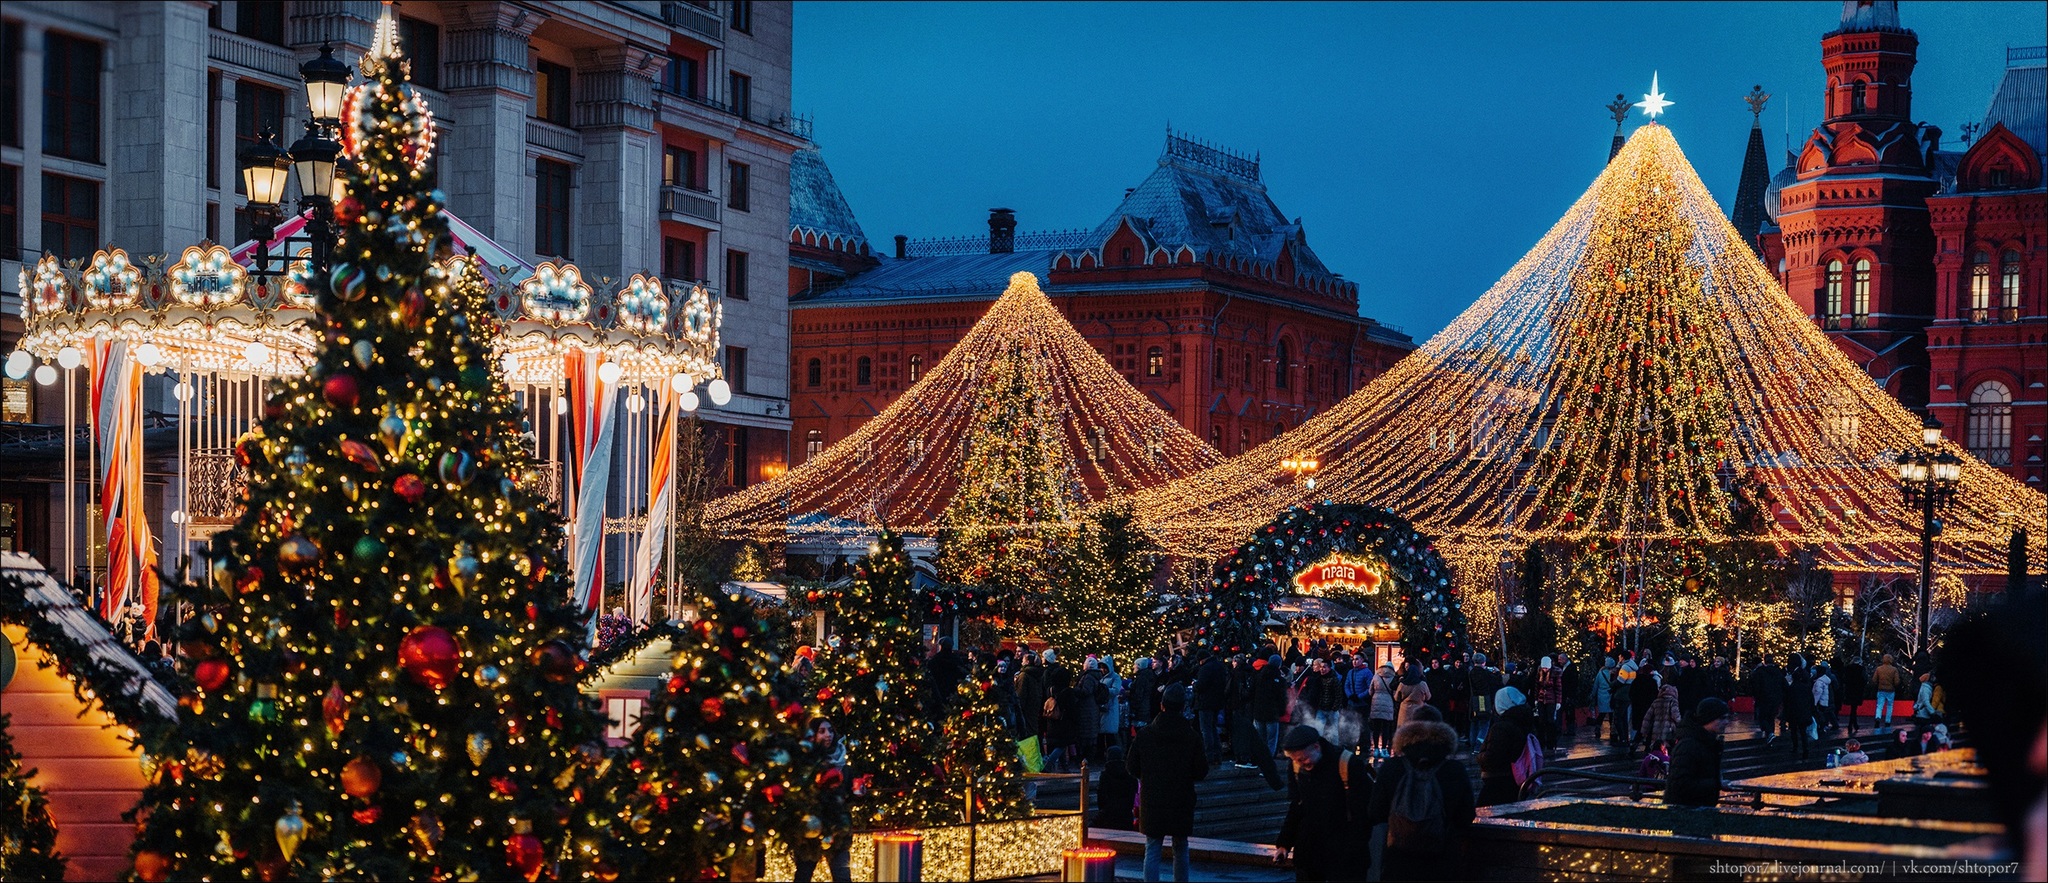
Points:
[(1002, 231), (902, 246)]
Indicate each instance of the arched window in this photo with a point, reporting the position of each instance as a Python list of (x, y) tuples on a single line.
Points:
[(814, 444), (1217, 371), (2009, 286), (1858, 94), (1989, 434), (1831, 307), (863, 371), (1280, 366), (1155, 362), (1861, 304), (916, 448), (1980, 287), (814, 373), (1244, 439), (1098, 444), (1216, 436), (916, 368)]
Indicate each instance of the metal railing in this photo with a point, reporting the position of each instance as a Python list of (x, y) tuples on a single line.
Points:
[(689, 202), (963, 245)]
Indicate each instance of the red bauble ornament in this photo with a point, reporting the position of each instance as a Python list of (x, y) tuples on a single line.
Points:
[(504, 785), (211, 673), (412, 307), (409, 487), (523, 853), (774, 793), (557, 661), (334, 709), (341, 390), (712, 709), (361, 777), (430, 656), (367, 815)]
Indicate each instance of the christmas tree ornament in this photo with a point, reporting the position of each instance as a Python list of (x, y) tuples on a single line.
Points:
[(334, 709), (361, 777), (557, 661), (263, 708), (291, 830), (479, 747), (524, 853), (296, 462), (457, 468), (392, 430), (211, 674), (464, 568), (409, 487), (349, 282), (342, 390), (358, 453), (297, 552), (488, 675), (364, 351), (425, 828), (429, 656)]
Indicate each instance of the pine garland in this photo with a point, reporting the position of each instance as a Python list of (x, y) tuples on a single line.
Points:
[(28, 839)]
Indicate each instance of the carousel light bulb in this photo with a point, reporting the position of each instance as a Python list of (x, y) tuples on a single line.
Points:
[(177, 516), (19, 363), (720, 391), (634, 403), (510, 362), (46, 375), (183, 391), (257, 352), (688, 400), (69, 357), (682, 382), (150, 355), (609, 372)]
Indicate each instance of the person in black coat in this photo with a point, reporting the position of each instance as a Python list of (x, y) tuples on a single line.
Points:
[(1504, 745), (1143, 691), (1116, 794), (1269, 703), (1694, 777), (1850, 683), (1767, 684), (1167, 759), (1212, 688), (1799, 702), (1326, 792), (1423, 748), (1642, 692)]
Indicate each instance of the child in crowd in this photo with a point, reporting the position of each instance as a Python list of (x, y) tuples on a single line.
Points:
[(1656, 762), (1853, 754)]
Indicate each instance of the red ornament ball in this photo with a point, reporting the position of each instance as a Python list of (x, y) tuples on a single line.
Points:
[(523, 852), (341, 390), (712, 709), (430, 656), (409, 488), (211, 673), (557, 661)]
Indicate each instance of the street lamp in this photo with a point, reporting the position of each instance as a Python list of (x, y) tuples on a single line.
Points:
[(1302, 465), (326, 83), (1928, 478), (264, 169), (315, 160)]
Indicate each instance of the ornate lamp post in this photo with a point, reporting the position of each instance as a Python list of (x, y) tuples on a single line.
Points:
[(1929, 478), (314, 159), (1302, 465)]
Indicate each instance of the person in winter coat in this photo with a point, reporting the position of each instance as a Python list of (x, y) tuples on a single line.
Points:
[(1485, 681), (1269, 703), (1116, 793), (1031, 697), (1142, 694), (1381, 709), (1888, 680), (1505, 742), (1823, 698), (1661, 723), (1326, 791), (1358, 688), (1721, 680), (1925, 709), (1059, 745), (1643, 691), (1767, 684), (1695, 775), (1091, 699), (1112, 721), (1799, 703), (1549, 698), (1412, 694), (1426, 848), (1853, 682), (1212, 687), (835, 848), (1167, 758), (1604, 684)]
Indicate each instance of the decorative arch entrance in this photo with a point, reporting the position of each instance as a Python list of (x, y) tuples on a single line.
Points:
[(1362, 556)]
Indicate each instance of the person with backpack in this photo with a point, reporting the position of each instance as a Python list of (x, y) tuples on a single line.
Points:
[(1380, 711), (1624, 684), (1694, 778), (1485, 681), (1504, 762), (1167, 758), (1326, 790), (1269, 702), (1424, 798)]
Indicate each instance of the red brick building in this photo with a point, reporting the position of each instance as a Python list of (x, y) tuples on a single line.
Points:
[(1196, 288), (1926, 266)]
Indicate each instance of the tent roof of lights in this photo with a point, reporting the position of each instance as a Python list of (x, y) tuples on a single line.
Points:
[(202, 311)]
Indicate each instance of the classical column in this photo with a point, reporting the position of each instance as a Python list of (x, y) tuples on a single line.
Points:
[(616, 189), (489, 80), (157, 151)]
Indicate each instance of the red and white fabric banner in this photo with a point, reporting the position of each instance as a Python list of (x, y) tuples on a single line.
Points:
[(117, 433), (661, 500), (592, 419)]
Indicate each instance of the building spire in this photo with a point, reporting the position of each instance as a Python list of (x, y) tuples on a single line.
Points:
[(1619, 107), (1747, 213)]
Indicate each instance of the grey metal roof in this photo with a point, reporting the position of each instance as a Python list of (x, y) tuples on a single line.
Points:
[(44, 597), (1214, 206), (938, 276), (815, 202), (2021, 103)]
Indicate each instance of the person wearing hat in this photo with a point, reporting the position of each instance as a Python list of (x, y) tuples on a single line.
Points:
[(1424, 842), (1326, 792), (1412, 694), (1505, 743), (1167, 758), (1269, 703), (1695, 775)]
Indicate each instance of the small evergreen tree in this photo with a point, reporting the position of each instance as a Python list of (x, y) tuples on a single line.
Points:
[(1105, 602), (28, 839), (978, 755)]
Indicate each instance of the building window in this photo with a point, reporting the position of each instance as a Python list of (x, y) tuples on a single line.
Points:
[(1216, 368), (1989, 432), (1280, 366), (814, 373), (741, 92), (624, 714), (1980, 287), (71, 97), (551, 92), (814, 441), (680, 76), (1337, 383), (736, 368), (679, 259), (1216, 437), (863, 371), (1248, 368), (1155, 362), (211, 160), (71, 216), (10, 84), (261, 20), (1244, 439), (551, 208), (10, 213), (421, 42), (1831, 303), (1098, 444), (1858, 94), (16, 406), (736, 456), (735, 274), (738, 183), (2009, 286), (1861, 293), (679, 168), (743, 16), (259, 112), (916, 368)]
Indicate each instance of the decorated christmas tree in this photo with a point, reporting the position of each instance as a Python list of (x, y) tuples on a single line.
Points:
[(1104, 601), (868, 682), (28, 840), (383, 659), (978, 754), (718, 760), (1007, 523)]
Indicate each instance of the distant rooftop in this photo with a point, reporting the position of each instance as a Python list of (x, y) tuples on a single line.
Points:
[(815, 202), (2021, 102)]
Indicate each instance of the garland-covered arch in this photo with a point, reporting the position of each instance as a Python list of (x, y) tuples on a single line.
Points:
[(1257, 574)]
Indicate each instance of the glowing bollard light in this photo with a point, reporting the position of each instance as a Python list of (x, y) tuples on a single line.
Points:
[(899, 858), (1089, 864)]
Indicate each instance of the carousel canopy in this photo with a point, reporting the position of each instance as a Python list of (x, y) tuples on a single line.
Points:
[(1637, 374), (900, 468)]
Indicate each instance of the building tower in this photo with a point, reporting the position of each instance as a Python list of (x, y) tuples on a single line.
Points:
[(1858, 248), (1748, 213)]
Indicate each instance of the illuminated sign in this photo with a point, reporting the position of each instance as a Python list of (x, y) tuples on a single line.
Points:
[(1338, 573)]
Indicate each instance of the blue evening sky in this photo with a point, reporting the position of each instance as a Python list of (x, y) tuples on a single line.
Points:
[(1426, 146)]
